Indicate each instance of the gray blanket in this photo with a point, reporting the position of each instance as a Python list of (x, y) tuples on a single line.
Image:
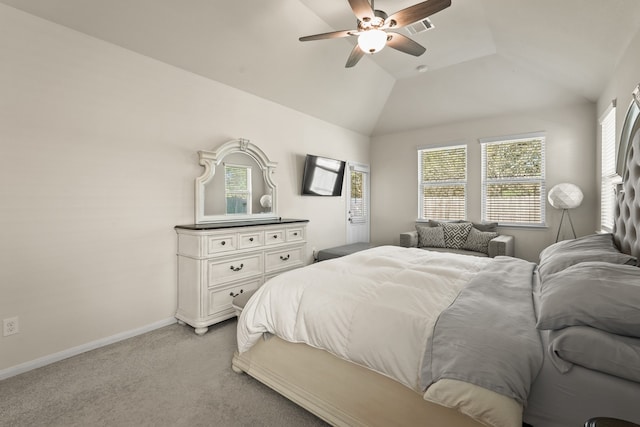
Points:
[(488, 335)]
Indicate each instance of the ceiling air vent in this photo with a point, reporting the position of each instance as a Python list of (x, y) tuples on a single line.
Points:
[(419, 27)]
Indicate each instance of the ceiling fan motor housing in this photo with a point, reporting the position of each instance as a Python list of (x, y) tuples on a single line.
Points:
[(375, 22)]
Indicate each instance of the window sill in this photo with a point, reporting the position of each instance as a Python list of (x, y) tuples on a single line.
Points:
[(524, 226)]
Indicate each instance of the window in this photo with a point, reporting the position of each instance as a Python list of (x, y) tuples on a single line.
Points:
[(237, 188), (357, 201), (513, 187), (442, 175), (608, 168)]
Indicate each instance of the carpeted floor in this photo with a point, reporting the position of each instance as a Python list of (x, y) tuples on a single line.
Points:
[(168, 377)]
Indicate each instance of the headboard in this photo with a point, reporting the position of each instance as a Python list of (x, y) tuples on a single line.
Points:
[(626, 230)]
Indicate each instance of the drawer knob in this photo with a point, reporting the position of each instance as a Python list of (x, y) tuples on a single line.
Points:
[(223, 243), (237, 268), (295, 234), (284, 258), (251, 239), (235, 295), (275, 236)]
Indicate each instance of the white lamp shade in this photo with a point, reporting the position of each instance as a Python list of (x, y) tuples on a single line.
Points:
[(565, 196), (372, 41), (265, 201)]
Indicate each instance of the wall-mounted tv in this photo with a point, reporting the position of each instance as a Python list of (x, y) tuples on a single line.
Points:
[(322, 176)]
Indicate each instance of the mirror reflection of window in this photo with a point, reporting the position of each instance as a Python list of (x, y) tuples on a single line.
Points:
[(237, 188)]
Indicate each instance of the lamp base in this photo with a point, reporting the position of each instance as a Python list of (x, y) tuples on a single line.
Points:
[(560, 225)]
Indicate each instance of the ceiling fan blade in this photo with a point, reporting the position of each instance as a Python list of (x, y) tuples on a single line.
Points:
[(416, 13), (354, 57), (331, 35), (405, 44), (362, 9)]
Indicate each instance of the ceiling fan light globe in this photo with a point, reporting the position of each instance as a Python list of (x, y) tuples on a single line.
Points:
[(372, 41)]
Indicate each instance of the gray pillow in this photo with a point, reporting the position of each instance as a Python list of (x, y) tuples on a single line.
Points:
[(434, 223), (595, 349), (455, 234), (486, 226), (592, 242), (479, 240), (430, 237), (602, 295), (595, 247)]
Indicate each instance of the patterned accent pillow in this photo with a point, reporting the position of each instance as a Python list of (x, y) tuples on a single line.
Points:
[(479, 240), (430, 237), (435, 223), (455, 234)]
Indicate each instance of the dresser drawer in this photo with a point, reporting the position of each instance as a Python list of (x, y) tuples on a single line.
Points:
[(221, 243), (295, 234), (284, 259), (250, 240), (220, 299), (274, 237), (232, 269)]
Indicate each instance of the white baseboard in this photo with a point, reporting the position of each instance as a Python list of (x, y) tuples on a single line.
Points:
[(74, 351)]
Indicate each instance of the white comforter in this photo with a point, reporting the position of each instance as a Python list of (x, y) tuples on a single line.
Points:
[(375, 308)]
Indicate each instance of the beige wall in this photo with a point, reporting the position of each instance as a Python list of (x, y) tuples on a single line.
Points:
[(570, 157), (97, 163)]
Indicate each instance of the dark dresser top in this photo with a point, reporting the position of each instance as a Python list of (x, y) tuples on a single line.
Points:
[(231, 224)]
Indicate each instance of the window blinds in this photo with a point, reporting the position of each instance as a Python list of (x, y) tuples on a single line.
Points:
[(608, 169), (442, 182), (357, 205), (513, 180)]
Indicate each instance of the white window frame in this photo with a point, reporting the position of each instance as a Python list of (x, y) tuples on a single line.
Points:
[(358, 207), (423, 184), (608, 174), (540, 180)]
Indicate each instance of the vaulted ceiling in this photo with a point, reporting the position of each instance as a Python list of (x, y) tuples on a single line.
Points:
[(484, 57)]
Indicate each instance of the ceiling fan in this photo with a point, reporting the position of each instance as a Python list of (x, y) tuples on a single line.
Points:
[(374, 25)]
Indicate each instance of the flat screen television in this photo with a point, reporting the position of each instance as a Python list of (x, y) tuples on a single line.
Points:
[(322, 176)]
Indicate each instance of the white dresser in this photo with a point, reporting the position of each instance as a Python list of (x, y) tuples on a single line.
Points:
[(219, 261)]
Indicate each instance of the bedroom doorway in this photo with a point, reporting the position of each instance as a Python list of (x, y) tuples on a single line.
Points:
[(357, 202)]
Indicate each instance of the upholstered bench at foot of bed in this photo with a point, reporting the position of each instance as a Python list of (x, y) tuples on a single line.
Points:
[(501, 245), (340, 251)]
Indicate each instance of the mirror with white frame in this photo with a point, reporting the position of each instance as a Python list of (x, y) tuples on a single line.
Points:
[(236, 184)]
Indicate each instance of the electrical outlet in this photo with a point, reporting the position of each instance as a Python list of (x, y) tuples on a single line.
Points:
[(10, 326)]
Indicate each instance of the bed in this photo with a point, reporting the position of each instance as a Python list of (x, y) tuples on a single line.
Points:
[(401, 336)]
